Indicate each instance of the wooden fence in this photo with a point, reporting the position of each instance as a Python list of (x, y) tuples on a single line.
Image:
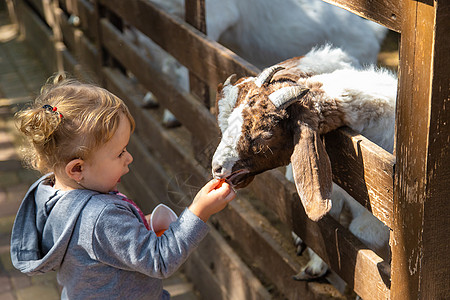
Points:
[(248, 254)]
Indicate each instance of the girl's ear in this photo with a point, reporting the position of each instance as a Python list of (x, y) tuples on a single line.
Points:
[(312, 172), (74, 169)]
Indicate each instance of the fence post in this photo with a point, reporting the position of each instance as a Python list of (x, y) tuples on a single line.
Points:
[(421, 239), (195, 15)]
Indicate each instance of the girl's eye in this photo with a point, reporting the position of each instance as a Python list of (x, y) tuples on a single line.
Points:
[(123, 151)]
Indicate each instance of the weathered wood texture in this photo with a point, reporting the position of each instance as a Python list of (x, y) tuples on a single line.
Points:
[(421, 239), (364, 170), (205, 58), (385, 12), (39, 7), (195, 15), (78, 44), (38, 35), (85, 10)]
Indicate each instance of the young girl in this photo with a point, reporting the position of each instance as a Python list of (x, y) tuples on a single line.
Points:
[(74, 221)]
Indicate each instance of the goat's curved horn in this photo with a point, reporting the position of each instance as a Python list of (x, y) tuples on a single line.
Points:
[(266, 75), (284, 97), (229, 79)]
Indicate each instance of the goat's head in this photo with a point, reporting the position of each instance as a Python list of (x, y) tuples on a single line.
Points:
[(267, 123)]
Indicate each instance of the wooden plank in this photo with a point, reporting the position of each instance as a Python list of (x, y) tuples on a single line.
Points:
[(80, 47), (420, 264), (272, 188), (71, 65), (85, 11), (265, 249), (195, 15), (156, 179), (195, 12), (235, 279), (192, 114), (385, 12), (38, 6), (364, 170), (88, 21), (207, 59), (363, 270), (436, 236), (38, 35)]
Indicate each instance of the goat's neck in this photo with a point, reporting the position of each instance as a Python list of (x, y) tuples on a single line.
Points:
[(322, 112), (329, 115)]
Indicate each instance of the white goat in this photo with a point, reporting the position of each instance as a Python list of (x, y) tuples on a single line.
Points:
[(277, 117), (265, 32)]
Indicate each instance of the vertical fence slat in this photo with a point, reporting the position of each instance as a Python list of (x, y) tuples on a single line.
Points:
[(420, 267)]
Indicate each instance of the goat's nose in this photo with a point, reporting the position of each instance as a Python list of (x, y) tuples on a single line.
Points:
[(217, 170)]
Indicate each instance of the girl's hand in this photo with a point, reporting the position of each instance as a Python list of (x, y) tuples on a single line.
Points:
[(212, 198)]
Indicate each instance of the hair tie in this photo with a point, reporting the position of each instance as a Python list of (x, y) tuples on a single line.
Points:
[(52, 109)]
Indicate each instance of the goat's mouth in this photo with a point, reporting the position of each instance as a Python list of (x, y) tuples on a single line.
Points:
[(240, 178)]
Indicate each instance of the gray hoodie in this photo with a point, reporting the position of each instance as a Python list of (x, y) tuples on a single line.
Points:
[(98, 244)]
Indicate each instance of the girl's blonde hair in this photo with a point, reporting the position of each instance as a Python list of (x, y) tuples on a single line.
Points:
[(84, 117)]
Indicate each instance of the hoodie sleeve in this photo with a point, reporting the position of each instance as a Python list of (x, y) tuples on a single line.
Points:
[(120, 240)]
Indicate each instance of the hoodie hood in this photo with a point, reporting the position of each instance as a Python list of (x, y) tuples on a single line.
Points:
[(40, 236)]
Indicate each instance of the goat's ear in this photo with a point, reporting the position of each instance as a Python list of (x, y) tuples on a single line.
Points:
[(312, 171)]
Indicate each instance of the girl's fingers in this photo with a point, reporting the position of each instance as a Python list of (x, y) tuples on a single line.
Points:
[(212, 184), (222, 187)]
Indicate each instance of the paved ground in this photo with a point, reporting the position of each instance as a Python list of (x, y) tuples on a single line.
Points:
[(21, 76)]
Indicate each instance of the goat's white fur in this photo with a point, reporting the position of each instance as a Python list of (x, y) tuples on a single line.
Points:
[(226, 153)]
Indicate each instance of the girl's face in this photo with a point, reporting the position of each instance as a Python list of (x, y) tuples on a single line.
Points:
[(109, 162)]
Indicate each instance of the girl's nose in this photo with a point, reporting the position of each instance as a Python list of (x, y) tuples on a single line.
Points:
[(129, 158)]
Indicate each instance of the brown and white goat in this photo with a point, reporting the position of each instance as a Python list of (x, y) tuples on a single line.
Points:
[(277, 118)]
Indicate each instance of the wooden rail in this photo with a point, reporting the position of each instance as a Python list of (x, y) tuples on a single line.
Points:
[(407, 192)]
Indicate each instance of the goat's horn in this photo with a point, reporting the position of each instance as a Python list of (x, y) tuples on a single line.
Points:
[(266, 75), (228, 81), (284, 97)]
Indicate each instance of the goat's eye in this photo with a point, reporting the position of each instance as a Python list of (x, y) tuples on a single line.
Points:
[(266, 136)]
